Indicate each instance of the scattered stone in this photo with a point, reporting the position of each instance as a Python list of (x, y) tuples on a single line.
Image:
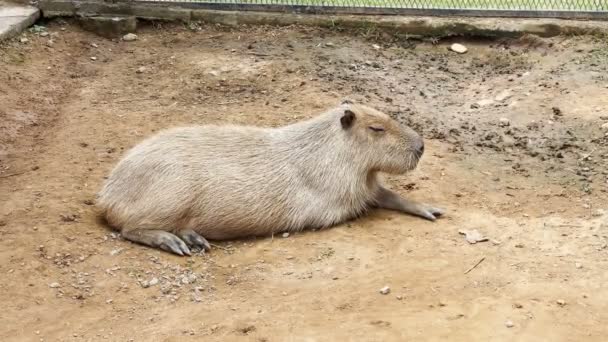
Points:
[(54, 285), (94, 45), (246, 328), (503, 96), (43, 34), (376, 46), (141, 70), (129, 37), (69, 217), (504, 122), (385, 290), (399, 297), (519, 245), (116, 251), (482, 103), (518, 306), (605, 127), (472, 236), (561, 302), (24, 40), (93, 58), (329, 44), (149, 283), (286, 235), (509, 324), (557, 111), (458, 48), (88, 202), (578, 265)]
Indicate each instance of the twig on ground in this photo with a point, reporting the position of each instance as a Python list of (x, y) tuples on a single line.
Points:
[(477, 264)]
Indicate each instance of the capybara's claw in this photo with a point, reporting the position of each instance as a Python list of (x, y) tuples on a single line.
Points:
[(175, 245), (194, 240), (431, 213)]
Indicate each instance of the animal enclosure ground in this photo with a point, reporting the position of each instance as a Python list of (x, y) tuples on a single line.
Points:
[(515, 150)]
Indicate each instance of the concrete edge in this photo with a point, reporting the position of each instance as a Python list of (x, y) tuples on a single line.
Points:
[(415, 26), (20, 26)]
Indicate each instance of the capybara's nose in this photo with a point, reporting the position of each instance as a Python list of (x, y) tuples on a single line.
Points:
[(420, 149)]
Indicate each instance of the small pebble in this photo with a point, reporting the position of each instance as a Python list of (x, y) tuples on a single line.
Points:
[(458, 48), (141, 69), (376, 46), (605, 127), (129, 37), (561, 302), (93, 58), (285, 235), (578, 265), (509, 324), (54, 285), (504, 122), (24, 40), (385, 290)]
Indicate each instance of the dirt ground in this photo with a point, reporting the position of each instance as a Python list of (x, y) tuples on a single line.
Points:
[(515, 150)]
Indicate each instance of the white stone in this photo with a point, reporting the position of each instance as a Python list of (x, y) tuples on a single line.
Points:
[(385, 290), (458, 48), (129, 37)]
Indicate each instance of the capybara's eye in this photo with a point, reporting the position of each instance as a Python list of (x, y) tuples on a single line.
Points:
[(376, 129)]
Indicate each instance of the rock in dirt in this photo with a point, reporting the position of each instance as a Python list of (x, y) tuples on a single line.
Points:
[(604, 127), (472, 236), (24, 40), (129, 37), (69, 217), (285, 235), (557, 111), (561, 302), (141, 70), (385, 290), (482, 103), (503, 96), (509, 324), (504, 122), (54, 285), (458, 48), (148, 283)]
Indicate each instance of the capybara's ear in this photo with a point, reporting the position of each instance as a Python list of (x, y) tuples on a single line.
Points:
[(347, 119), (346, 101)]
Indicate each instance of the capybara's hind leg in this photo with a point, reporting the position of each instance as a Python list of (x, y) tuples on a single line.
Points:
[(194, 240), (158, 239)]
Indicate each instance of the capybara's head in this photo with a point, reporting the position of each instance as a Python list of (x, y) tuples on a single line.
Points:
[(384, 143)]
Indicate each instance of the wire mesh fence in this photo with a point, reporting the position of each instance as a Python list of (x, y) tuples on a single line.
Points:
[(595, 9)]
